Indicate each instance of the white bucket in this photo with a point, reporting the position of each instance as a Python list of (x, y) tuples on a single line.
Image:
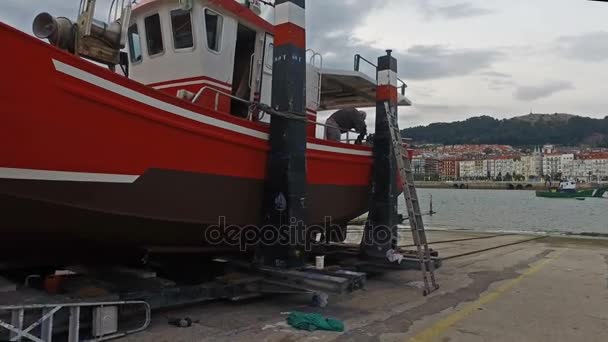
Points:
[(320, 262)]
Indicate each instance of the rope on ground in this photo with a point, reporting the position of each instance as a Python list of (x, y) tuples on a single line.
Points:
[(492, 248), (457, 240)]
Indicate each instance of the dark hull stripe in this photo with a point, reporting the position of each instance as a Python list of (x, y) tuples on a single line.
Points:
[(161, 207)]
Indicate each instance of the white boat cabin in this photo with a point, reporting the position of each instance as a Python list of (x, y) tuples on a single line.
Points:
[(223, 48), (567, 185)]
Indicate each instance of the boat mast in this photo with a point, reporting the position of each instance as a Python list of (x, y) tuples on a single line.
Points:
[(285, 193)]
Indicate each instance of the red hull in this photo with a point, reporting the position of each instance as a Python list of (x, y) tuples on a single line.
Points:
[(87, 153)]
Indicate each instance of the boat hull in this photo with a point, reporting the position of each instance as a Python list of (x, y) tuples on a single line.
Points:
[(555, 194), (93, 156), (142, 215)]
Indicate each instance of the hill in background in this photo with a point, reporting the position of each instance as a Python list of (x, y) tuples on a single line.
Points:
[(533, 129)]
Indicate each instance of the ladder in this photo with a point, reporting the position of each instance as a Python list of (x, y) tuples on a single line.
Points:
[(412, 204)]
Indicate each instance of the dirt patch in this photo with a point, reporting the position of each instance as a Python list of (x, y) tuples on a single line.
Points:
[(402, 322), (574, 242)]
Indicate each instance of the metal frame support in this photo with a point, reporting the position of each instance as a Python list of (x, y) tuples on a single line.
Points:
[(380, 234), (18, 312), (285, 193), (74, 328)]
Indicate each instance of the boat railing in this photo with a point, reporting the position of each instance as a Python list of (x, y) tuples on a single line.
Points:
[(257, 106), (316, 60), (359, 58), (216, 103)]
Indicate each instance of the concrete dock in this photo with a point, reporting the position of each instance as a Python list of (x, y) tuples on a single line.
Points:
[(550, 289)]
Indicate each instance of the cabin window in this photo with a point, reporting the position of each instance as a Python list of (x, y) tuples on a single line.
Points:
[(182, 29), (213, 26), (154, 35), (134, 44)]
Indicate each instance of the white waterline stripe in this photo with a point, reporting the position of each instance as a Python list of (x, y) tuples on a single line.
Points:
[(30, 174), (181, 84), (338, 150), (147, 100), (288, 12)]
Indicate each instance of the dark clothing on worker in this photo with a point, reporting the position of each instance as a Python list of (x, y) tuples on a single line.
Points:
[(345, 120)]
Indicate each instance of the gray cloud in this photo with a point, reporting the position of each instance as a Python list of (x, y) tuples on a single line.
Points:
[(437, 61), (588, 47), (460, 10), (330, 26), (326, 19), (500, 84), (497, 80), (531, 93), (494, 74)]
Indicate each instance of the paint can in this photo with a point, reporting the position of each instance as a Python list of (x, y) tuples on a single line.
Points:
[(320, 262)]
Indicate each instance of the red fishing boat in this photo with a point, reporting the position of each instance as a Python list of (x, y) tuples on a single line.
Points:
[(163, 144)]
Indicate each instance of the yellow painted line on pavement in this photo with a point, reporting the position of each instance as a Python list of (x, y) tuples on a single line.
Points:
[(443, 325)]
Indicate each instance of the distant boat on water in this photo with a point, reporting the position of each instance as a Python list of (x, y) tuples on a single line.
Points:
[(567, 189)]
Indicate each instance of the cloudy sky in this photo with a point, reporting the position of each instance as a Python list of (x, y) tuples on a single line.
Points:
[(460, 58)]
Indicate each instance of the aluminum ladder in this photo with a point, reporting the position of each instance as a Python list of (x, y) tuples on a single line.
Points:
[(104, 320), (412, 204)]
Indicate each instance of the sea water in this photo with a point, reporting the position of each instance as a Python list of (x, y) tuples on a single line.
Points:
[(512, 211)]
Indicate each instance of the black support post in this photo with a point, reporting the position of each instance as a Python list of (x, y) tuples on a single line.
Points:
[(380, 233), (285, 193)]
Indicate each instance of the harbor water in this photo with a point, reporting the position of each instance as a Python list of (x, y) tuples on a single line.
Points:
[(512, 211)]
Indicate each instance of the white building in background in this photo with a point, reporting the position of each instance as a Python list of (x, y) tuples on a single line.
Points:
[(548, 149), (591, 166), (599, 167), (582, 169), (504, 166), (552, 164), (488, 168), (567, 165), (419, 165), (472, 169)]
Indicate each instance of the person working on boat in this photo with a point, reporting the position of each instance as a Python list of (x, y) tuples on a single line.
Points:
[(345, 120)]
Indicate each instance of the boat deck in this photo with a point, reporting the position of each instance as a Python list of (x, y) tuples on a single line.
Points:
[(551, 289)]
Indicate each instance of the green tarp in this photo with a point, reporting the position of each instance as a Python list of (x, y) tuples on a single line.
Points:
[(312, 322)]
